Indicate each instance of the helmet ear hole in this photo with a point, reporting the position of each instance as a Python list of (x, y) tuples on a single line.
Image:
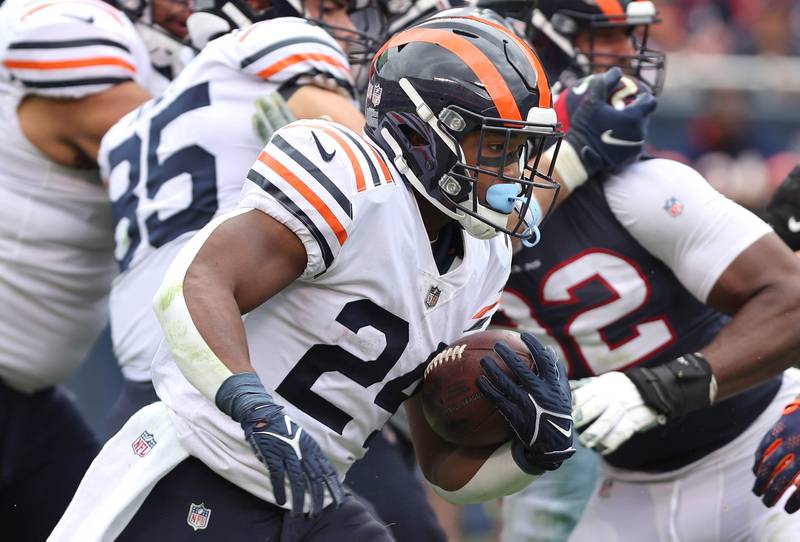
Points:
[(415, 139)]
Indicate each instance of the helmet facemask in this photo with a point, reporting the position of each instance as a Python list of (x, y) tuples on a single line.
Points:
[(370, 29), (213, 18), (508, 204), (555, 26), (434, 146), (645, 64)]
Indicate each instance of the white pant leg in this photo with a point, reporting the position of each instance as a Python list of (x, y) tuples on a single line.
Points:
[(708, 500), (121, 477), (548, 509)]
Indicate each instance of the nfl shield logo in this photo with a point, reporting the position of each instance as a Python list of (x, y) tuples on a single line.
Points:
[(142, 445), (198, 516), (673, 207), (377, 92), (433, 297)]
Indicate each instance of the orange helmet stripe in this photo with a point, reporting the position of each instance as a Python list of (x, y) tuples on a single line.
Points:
[(611, 7), (472, 56), (541, 79)]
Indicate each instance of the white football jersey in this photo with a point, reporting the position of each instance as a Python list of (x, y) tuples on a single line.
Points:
[(180, 160), (344, 345), (56, 261)]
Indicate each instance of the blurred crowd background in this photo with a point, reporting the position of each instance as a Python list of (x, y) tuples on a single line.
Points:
[(731, 104), (730, 108)]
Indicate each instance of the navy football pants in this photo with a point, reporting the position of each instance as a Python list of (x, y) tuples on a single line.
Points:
[(45, 448), (232, 514), (386, 477)]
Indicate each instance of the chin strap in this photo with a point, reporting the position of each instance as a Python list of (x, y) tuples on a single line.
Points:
[(426, 114)]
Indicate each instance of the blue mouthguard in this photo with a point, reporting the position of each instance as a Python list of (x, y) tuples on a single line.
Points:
[(503, 198)]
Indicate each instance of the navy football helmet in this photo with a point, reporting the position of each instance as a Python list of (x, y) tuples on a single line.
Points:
[(449, 77), (552, 26), (556, 24)]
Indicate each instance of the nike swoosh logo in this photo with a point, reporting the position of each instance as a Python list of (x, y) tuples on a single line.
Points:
[(793, 225), (87, 20), (291, 440), (327, 156), (566, 432), (581, 87), (607, 138)]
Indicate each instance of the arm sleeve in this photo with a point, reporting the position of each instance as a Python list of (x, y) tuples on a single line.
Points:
[(674, 213), (292, 183), (293, 52), (498, 476), (72, 49)]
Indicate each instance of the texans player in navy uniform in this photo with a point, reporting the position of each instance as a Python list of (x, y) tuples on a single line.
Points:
[(674, 307)]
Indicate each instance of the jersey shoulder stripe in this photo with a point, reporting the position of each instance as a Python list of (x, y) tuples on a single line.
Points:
[(286, 49), (82, 47), (297, 212), (315, 171), (273, 47), (305, 190), (302, 61), (63, 44), (359, 152), (369, 154), (38, 6), (75, 84), (312, 175), (70, 63)]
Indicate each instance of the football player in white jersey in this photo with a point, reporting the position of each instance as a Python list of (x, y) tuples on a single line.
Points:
[(675, 307), (337, 243), (68, 71), (281, 59), (203, 158)]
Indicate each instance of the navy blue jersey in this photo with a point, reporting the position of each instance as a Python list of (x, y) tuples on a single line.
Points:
[(594, 292)]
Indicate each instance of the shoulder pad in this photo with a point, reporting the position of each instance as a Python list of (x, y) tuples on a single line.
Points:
[(289, 49), (71, 48)]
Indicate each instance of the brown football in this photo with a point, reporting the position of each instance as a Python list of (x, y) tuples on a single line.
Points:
[(453, 405)]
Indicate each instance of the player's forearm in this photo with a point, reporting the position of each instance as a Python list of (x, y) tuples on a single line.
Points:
[(311, 102), (495, 474), (463, 475), (211, 331), (762, 340), (567, 171)]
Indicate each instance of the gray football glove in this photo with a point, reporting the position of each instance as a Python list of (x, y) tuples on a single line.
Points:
[(271, 113)]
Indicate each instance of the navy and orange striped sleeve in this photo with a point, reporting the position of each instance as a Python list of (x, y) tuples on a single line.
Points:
[(294, 51), (70, 49), (308, 177)]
